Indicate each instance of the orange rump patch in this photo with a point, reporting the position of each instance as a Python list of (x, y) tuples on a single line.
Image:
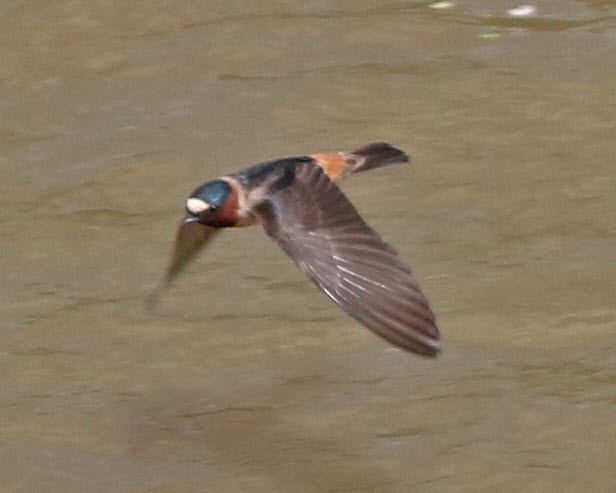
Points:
[(333, 163)]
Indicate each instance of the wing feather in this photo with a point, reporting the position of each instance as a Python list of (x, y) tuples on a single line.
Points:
[(318, 227), (191, 239)]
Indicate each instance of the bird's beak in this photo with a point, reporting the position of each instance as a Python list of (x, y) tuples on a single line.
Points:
[(190, 219)]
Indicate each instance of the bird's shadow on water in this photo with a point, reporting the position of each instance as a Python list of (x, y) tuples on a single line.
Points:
[(246, 443)]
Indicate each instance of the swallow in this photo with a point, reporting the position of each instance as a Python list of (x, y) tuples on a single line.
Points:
[(298, 203)]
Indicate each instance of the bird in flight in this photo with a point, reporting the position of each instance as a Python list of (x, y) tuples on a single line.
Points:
[(301, 208)]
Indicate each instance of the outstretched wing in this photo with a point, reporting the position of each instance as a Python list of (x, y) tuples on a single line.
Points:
[(191, 238), (318, 227)]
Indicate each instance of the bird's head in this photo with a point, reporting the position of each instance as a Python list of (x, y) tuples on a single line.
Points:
[(212, 204)]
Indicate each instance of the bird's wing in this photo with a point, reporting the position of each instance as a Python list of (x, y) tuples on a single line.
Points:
[(318, 227), (191, 238)]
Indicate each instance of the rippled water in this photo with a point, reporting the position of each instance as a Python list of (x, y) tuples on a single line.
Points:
[(246, 378)]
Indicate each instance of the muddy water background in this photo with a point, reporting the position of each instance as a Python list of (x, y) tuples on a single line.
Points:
[(248, 379)]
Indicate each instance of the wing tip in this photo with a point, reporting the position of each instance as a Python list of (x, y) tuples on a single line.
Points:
[(421, 346), (433, 349), (428, 345)]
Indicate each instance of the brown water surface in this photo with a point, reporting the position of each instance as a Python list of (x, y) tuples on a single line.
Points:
[(246, 378)]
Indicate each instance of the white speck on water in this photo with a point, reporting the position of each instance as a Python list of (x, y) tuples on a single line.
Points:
[(522, 11)]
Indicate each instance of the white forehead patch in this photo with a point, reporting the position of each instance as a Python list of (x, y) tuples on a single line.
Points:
[(196, 206)]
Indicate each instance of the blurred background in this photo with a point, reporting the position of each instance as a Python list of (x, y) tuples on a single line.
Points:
[(246, 378)]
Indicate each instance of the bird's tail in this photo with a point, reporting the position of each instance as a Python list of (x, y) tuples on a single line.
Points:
[(375, 155), (337, 165)]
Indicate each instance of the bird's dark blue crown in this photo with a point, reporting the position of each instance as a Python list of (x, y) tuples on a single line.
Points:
[(214, 192)]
